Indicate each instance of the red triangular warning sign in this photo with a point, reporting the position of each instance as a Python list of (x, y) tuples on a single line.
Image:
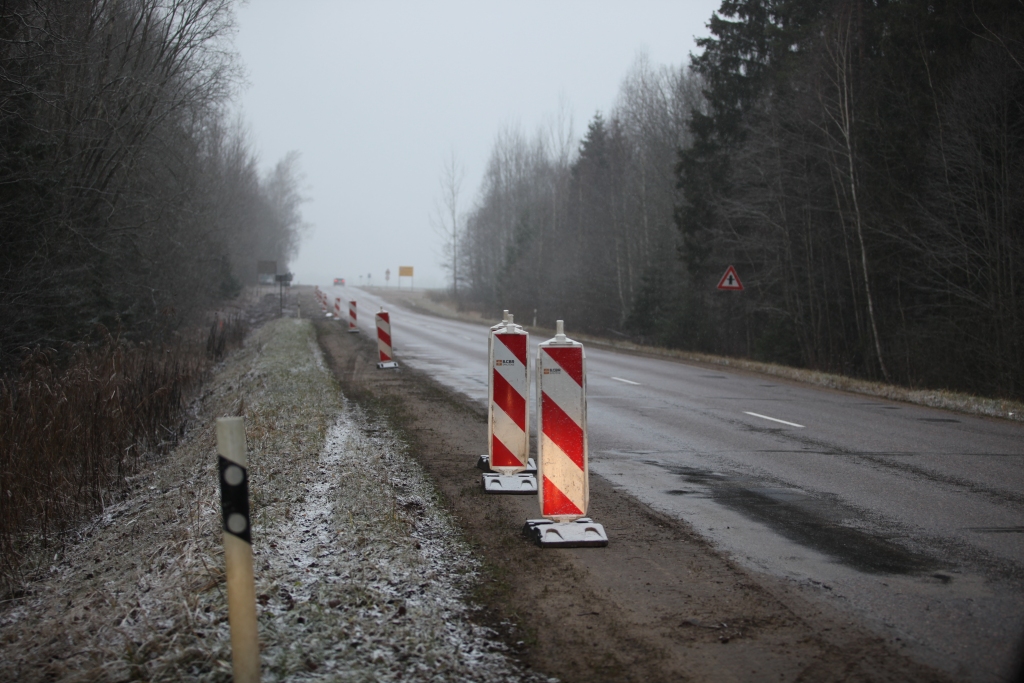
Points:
[(730, 280)]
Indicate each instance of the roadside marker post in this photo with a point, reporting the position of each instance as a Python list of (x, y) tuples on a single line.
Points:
[(234, 501), (337, 308), (352, 317), (562, 456), (383, 319), (508, 411)]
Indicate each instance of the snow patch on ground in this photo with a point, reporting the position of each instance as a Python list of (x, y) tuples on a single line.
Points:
[(368, 576)]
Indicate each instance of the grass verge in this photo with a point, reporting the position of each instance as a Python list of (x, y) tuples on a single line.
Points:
[(360, 575)]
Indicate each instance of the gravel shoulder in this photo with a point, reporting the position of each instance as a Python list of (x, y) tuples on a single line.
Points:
[(658, 604)]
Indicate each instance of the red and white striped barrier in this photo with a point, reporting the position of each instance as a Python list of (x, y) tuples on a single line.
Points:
[(337, 307), (508, 416), (562, 447), (352, 317), (484, 463), (383, 319)]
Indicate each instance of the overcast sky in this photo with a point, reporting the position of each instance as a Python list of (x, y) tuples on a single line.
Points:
[(374, 96)]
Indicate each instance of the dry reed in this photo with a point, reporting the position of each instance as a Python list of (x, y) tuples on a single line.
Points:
[(74, 427)]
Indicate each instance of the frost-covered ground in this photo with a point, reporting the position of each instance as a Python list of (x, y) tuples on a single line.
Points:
[(361, 576)]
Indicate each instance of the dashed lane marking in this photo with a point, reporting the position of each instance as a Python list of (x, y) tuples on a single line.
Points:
[(626, 381), (773, 419)]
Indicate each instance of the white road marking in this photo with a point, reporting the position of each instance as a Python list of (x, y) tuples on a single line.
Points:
[(773, 419), (625, 381)]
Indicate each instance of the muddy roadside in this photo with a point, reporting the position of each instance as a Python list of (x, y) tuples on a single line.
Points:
[(658, 604)]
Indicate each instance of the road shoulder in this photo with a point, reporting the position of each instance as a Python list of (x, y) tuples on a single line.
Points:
[(658, 604)]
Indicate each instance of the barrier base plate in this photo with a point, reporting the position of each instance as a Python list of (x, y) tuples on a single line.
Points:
[(484, 463), (582, 533), (522, 483), (384, 365), (353, 329)]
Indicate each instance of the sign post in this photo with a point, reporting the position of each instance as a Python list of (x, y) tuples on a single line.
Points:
[(283, 280), (405, 271)]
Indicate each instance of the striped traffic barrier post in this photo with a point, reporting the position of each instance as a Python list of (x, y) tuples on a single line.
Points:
[(508, 414), (564, 492), (337, 307), (383, 319), (234, 501), (484, 462), (352, 317)]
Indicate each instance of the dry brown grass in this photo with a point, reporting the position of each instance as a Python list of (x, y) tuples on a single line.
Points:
[(75, 426)]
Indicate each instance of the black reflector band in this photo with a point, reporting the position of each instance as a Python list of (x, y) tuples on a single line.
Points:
[(234, 498)]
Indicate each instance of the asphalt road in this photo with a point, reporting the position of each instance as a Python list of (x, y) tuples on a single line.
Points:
[(909, 518)]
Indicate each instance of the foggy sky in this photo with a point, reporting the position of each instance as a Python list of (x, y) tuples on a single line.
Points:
[(375, 95)]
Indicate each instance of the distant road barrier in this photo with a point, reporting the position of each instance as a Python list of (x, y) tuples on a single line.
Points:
[(383, 319)]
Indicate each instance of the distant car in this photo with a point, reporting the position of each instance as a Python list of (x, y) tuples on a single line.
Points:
[(339, 281)]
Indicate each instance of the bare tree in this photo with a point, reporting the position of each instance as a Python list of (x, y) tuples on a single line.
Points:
[(837, 101), (128, 201), (446, 217)]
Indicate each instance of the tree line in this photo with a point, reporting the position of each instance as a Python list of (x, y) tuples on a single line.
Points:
[(129, 195), (861, 164)]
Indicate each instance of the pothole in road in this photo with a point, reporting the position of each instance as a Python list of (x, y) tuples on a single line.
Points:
[(811, 522)]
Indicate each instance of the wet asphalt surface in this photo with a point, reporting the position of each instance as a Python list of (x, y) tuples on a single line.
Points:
[(909, 518)]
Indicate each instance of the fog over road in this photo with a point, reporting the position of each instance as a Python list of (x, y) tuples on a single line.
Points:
[(909, 518)]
